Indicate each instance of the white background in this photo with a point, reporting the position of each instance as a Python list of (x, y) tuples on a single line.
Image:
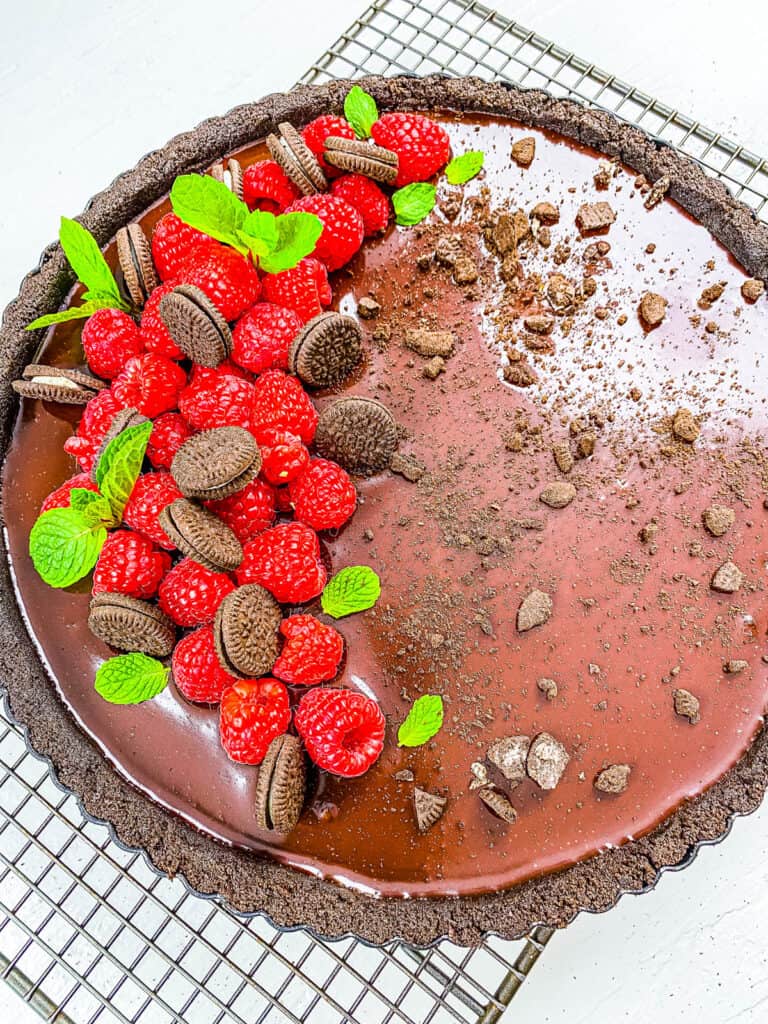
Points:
[(87, 88)]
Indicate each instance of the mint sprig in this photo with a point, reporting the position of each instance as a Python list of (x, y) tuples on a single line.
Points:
[(208, 205), (465, 167), (92, 505), (353, 589), (73, 313), (297, 235), (120, 464), (131, 678), (361, 111), (414, 202), (425, 720), (64, 546)]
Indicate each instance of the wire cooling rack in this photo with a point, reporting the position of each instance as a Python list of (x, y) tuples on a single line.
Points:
[(89, 932)]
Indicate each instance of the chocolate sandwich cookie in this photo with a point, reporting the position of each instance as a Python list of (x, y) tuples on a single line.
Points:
[(230, 174), (360, 157), (122, 419), (281, 786), (326, 350), (291, 152), (216, 463), (357, 432), (245, 631), (196, 325), (131, 625), (201, 535), (134, 254), (57, 384)]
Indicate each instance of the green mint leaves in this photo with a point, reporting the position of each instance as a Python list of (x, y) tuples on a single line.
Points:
[(463, 168), (64, 545), (351, 590), (131, 679), (414, 202), (120, 465), (425, 720), (361, 111), (208, 205), (92, 506), (280, 242)]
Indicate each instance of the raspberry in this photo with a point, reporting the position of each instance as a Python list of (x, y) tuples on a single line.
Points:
[(169, 432), (311, 653), (253, 713), (205, 374), (173, 242), (317, 132), (283, 501), (129, 564), (228, 279), (196, 669), (61, 496), (190, 593), (153, 332), (150, 495), (342, 730), (149, 383), (217, 400), (266, 186), (422, 146), (286, 560), (367, 198), (262, 337), (323, 496), (96, 420), (343, 230), (281, 402), (304, 288), (283, 456), (249, 512), (110, 338)]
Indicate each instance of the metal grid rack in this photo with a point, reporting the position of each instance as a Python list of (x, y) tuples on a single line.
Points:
[(89, 932)]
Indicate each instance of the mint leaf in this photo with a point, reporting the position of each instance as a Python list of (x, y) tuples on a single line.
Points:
[(464, 167), (414, 202), (64, 546), (86, 259), (130, 678), (352, 590), (119, 466), (74, 312), (260, 227), (93, 506), (425, 720), (361, 111), (208, 205), (297, 235)]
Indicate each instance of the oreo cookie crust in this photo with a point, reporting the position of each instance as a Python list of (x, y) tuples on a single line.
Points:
[(252, 883)]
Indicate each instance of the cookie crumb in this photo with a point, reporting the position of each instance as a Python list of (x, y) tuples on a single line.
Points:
[(558, 494), (430, 343), (752, 289), (727, 579), (686, 705), (548, 687), (535, 610), (613, 779), (368, 308), (495, 801), (653, 309), (562, 456), (434, 368), (718, 519), (594, 216), (509, 755), (547, 760), (524, 150), (407, 466), (685, 426), (735, 665)]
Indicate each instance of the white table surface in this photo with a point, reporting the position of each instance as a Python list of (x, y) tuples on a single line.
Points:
[(87, 88)]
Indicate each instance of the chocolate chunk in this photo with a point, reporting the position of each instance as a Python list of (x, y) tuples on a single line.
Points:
[(326, 350), (539, 323), (509, 755), (535, 610), (229, 174), (245, 631), (594, 217), (562, 456), (434, 367), (495, 801), (368, 308), (57, 384), (357, 432), (134, 255), (547, 760), (524, 150), (200, 535), (430, 343), (613, 779), (122, 419), (727, 579), (290, 151), (408, 467), (752, 289), (428, 808), (548, 687), (196, 325), (465, 271), (735, 665), (686, 705), (718, 519), (281, 786), (545, 213), (558, 494), (685, 426), (711, 294), (216, 463), (358, 156), (653, 309), (658, 190), (131, 625)]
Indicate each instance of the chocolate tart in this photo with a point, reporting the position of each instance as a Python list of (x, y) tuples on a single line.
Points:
[(571, 849)]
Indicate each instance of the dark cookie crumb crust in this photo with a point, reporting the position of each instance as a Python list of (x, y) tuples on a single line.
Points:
[(249, 883)]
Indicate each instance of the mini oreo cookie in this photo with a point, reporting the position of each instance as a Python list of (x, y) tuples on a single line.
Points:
[(216, 463), (245, 631), (360, 157), (230, 174), (131, 625), (281, 786), (196, 325), (122, 419), (201, 535), (327, 350), (57, 384), (134, 254), (291, 152), (357, 432)]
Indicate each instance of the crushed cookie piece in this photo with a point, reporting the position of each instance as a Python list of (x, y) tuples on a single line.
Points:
[(429, 343), (434, 368), (613, 779), (509, 754), (510, 269), (368, 534), (450, 207), (563, 457), (548, 687), (735, 665), (648, 532), (594, 217), (428, 808), (544, 237), (658, 190), (558, 494), (382, 334), (524, 150), (404, 775), (718, 519), (520, 373), (685, 426), (407, 466), (465, 270), (727, 579), (495, 800), (479, 775), (711, 294), (606, 171), (653, 309), (546, 213), (561, 292), (752, 289), (686, 705), (539, 323), (589, 286), (547, 760), (585, 444), (424, 262), (368, 308), (535, 610), (448, 249)]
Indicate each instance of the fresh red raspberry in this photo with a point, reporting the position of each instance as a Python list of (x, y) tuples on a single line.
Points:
[(96, 420), (280, 402), (266, 186), (60, 498), (130, 564), (422, 146), (317, 132), (173, 242), (152, 384), (169, 432), (253, 713), (342, 730), (228, 279), (249, 512), (150, 495), (283, 501), (323, 496), (311, 652), (217, 400), (286, 560), (262, 337), (196, 669), (304, 288), (343, 230), (367, 198), (190, 594), (283, 455), (110, 338), (153, 332)]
